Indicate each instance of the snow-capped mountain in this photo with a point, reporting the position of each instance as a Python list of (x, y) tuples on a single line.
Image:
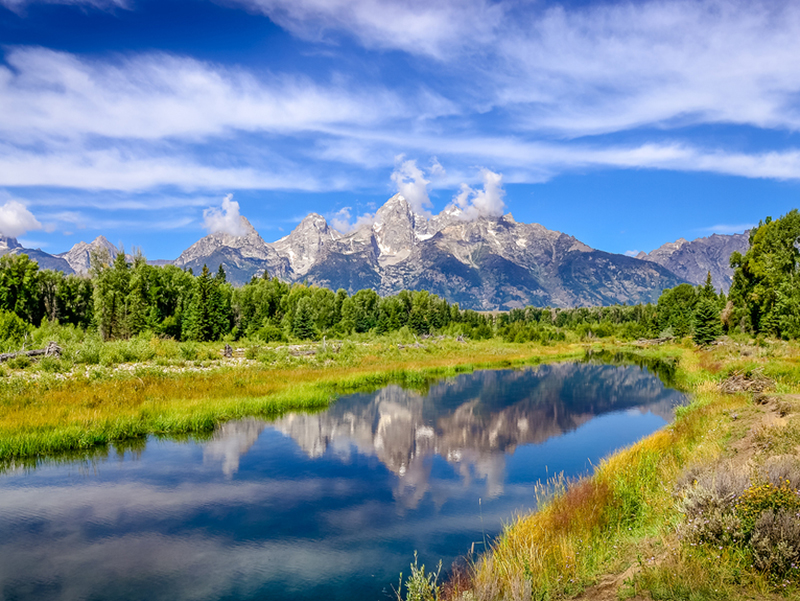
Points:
[(481, 263)]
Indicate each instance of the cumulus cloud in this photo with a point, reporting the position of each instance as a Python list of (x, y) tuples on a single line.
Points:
[(342, 220), (225, 219), (16, 219), (482, 203), (412, 185), (631, 253)]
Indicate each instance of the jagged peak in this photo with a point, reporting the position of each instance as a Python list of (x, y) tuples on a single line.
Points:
[(8, 243)]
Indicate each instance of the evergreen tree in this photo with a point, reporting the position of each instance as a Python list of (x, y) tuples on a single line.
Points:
[(198, 322), (707, 324), (303, 324)]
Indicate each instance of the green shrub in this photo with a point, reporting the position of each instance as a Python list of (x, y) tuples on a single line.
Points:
[(89, 351), (51, 364), (13, 330), (189, 351), (271, 333), (419, 585), (19, 362)]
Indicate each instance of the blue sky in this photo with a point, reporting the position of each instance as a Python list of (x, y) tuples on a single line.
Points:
[(625, 124)]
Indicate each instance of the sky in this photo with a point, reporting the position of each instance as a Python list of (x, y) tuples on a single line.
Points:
[(624, 124)]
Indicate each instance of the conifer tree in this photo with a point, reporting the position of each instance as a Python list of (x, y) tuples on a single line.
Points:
[(303, 324), (707, 323)]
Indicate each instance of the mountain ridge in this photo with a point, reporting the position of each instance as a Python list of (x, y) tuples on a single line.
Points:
[(481, 263)]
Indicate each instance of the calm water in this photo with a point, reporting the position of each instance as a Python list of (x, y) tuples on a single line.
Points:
[(324, 506)]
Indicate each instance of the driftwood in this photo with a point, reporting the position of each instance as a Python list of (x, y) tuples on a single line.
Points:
[(51, 350), (753, 381)]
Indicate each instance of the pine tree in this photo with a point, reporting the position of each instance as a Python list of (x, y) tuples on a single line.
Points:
[(707, 324), (303, 324)]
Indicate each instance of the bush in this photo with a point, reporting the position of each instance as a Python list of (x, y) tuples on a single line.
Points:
[(271, 333), (723, 507), (13, 331), (20, 362), (776, 542), (89, 351), (51, 364), (189, 351)]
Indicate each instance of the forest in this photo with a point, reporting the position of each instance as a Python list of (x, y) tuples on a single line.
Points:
[(124, 296)]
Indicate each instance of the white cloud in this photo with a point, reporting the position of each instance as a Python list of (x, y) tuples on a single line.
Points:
[(412, 185), (115, 169), (482, 203), (419, 27), (437, 170), (16, 219), (729, 228), (616, 66), (225, 219), (631, 253), (46, 93), (342, 220)]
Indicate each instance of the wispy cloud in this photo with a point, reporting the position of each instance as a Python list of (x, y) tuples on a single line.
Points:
[(411, 183), (437, 29), (728, 228), (344, 221), (19, 6), (46, 93)]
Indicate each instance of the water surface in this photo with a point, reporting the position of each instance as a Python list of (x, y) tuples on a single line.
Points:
[(329, 505)]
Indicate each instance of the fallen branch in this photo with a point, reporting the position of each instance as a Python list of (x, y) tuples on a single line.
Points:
[(51, 350)]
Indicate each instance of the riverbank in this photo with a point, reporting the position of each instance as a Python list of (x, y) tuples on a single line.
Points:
[(48, 409), (704, 509)]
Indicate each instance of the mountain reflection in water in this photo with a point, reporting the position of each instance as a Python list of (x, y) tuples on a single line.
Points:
[(328, 505)]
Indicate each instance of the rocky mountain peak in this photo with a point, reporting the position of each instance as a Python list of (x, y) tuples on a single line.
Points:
[(79, 256), (311, 238), (249, 245), (7, 244), (398, 228)]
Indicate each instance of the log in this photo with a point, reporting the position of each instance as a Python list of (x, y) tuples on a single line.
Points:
[(51, 350)]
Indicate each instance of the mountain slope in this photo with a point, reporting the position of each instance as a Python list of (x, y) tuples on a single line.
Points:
[(693, 260)]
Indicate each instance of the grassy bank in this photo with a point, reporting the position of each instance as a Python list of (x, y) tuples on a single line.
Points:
[(707, 508), (45, 411)]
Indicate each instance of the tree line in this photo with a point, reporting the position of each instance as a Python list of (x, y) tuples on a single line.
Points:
[(125, 296)]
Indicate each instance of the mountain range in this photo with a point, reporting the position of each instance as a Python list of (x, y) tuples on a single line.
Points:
[(483, 263)]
